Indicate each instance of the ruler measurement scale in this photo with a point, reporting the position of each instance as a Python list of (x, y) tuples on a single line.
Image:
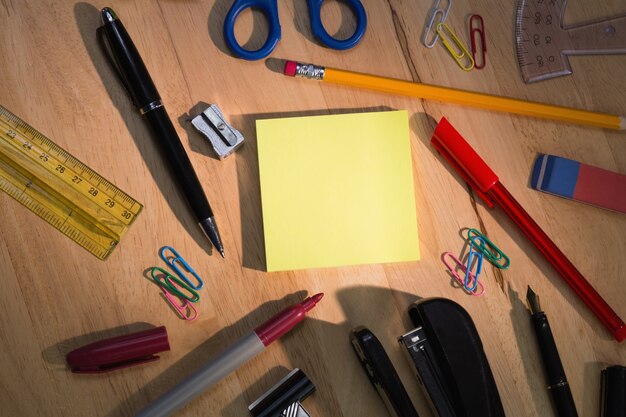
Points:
[(62, 190)]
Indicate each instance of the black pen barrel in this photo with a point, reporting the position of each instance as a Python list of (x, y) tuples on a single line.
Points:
[(133, 71), (174, 153), (557, 382)]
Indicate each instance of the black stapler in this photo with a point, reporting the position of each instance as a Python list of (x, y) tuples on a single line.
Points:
[(447, 354), (450, 361)]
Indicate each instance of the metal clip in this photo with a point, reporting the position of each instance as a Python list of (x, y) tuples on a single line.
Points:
[(470, 283), (434, 12), (172, 261), (223, 137), (456, 48), (491, 251), (473, 281), (185, 309), (174, 285), (476, 26)]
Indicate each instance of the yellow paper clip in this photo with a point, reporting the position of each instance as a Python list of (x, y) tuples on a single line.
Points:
[(456, 48)]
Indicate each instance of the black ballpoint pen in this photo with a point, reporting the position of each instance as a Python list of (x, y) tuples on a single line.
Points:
[(557, 383), (134, 75)]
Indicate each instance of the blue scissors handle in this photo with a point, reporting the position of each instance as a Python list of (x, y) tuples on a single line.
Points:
[(315, 7), (270, 10)]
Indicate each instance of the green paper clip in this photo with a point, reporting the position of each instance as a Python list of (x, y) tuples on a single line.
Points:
[(492, 253), (175, 289)]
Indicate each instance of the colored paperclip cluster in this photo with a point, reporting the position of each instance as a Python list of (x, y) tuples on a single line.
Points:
[(480, 247), (180, 290), (436, 28)]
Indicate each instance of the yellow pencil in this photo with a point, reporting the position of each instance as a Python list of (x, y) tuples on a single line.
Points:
[(451, 95)]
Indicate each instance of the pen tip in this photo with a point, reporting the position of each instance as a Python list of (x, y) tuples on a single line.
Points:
[(310, 302), (533, 301), (317, 297)]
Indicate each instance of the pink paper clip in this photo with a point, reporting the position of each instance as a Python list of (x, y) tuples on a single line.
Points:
[(186, 310), (476, 25), (477, 286)]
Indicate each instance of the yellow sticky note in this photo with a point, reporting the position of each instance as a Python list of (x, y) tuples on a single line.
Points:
[(337, 190)]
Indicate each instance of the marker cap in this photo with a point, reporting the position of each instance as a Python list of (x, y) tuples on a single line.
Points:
[(119, 352)]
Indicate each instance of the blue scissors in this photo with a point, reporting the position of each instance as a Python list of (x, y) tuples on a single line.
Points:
[(270, 10)]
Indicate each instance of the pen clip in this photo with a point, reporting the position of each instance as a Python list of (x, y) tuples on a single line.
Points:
[(110, 58), (457, 167)]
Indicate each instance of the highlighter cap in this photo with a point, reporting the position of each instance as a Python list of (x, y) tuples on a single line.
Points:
[(464, 159), (119, 352)]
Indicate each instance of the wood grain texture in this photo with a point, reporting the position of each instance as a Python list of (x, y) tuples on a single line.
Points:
[(56, 296)]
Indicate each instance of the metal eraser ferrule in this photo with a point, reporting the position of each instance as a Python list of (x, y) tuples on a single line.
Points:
[(314, 72), (224, 138)]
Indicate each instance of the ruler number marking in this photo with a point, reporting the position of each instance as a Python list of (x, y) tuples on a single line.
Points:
[(43, 152)]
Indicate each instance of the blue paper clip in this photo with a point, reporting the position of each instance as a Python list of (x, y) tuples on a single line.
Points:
[(171, 262), (175, 285), (468, 283), (491, 251)]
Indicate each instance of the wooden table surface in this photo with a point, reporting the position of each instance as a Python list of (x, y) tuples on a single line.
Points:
[(57, 296)]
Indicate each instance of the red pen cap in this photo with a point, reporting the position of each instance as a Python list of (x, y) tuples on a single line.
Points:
[(464, 159), (119, 352)]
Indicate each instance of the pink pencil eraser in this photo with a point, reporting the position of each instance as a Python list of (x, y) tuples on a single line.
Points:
[(290, 68)]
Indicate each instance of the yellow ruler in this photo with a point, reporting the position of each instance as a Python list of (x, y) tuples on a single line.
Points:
[(62, 190)]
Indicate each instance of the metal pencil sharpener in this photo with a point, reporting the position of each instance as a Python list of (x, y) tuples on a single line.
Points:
[(223, 137), (284, 398)]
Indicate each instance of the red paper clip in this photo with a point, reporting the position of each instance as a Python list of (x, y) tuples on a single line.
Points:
[(482, 48)]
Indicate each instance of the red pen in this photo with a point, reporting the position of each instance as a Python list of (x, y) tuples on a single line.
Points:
[(486, 184), (230, 359)]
